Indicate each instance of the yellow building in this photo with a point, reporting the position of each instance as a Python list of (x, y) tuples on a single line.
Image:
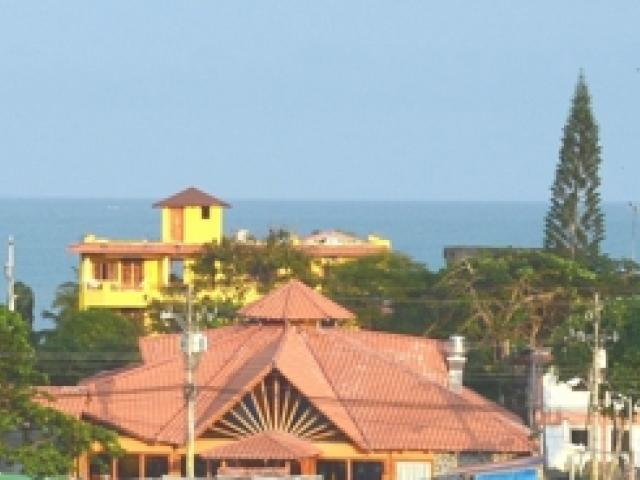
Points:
[(129, 275)]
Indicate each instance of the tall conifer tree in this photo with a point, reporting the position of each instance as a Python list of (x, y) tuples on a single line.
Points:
[(574, 225)]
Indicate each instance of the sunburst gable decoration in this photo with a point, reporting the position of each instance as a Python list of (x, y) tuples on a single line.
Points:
[(275, 405)]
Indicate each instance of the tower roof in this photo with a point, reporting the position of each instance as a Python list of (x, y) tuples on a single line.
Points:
[(295, 301), (190, 197)]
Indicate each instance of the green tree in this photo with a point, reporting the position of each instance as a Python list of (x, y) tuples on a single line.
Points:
[(574, 225), (41, 440), (515, 297), (25, 301), (65, 303), (386, 292), (88, 342)]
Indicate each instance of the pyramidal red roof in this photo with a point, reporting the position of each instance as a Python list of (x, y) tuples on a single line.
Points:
[(382, 391), (295, 301), (190, 197)]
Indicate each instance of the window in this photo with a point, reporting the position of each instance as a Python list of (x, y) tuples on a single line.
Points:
[(155, 466), (128, 467), (332, 470), (206, 212), (132, 273), (413, 471), (580, 436), (614, 440), (199, 466), (366, 470), (99, 465), (105, 270), (176, 274)]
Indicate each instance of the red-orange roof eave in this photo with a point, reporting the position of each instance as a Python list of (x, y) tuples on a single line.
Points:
[(135, 248), (268, 445)]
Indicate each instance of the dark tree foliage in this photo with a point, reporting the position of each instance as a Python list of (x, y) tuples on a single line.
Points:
[(65, 303), (41, 440), (25, 302), (574, 225), (88, 342), (386, 292)]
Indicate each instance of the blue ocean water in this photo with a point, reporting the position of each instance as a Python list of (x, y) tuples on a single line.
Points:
[(44, 228)]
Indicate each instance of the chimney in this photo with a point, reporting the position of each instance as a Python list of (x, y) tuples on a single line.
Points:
[(456, 358)]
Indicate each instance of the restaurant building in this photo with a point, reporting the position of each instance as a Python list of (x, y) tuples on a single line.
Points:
[(290, 389)]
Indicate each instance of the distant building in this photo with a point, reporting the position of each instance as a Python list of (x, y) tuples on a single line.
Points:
[(566, 424), (292, 390), (128, 275)]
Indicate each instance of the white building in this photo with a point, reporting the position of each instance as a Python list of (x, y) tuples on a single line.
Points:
[(567, 427)]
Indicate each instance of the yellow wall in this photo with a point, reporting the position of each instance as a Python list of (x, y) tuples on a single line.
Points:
[(195, 228)]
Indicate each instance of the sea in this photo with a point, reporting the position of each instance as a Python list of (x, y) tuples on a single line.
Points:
[(44, 228)]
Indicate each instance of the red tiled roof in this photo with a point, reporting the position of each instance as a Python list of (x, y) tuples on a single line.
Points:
[(190, 197), (382, 391), (295, 301), (268, 445), (70, 400)]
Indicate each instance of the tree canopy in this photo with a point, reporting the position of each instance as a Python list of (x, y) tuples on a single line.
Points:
[(87, 342), (574, 225), (40, 440), (386, 292)]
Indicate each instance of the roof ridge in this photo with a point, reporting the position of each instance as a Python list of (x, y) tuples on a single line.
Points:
[(217, 373), (235, 397), (285, 304), (308, 293), (333, 388)]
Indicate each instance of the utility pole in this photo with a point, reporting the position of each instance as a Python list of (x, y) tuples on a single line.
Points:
[(632, 456), (595, 390), (9, 274), (189, 387), (194, 344)]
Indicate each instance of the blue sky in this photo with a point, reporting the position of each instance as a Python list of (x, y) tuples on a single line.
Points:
[(298, 99)]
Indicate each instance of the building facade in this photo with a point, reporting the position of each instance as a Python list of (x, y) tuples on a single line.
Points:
[(567, 426), (291, 390), (128, 275)]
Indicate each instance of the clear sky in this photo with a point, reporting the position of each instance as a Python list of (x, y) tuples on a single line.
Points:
[(448, 100)]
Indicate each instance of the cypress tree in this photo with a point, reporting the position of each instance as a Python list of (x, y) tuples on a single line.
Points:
[(574, 225)]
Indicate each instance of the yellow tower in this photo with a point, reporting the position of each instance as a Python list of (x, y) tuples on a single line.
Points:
[(192, 216)]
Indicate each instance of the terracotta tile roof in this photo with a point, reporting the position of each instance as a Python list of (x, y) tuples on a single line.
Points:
[(295, 301), (268, 445), (190, 197), (383, 391), (70, 400)]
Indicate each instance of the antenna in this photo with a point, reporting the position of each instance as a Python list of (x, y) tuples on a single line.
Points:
[(9, 274)]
